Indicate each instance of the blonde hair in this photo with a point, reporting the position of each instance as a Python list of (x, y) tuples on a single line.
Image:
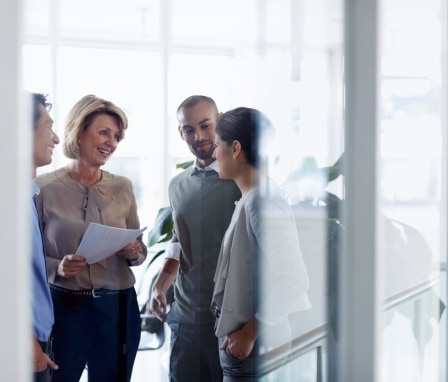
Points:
[(81, 117)]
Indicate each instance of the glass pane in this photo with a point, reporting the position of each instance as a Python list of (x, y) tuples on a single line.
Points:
[(126, 23), (38, 73), (36, 19), (110, 74), (214, 24), (110, 20), (303, 98), (301, 369), (208, 74), (113, 75), (413, 335), (283, 57)]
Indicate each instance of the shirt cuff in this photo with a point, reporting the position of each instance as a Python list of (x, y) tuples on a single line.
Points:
[(172, 251)]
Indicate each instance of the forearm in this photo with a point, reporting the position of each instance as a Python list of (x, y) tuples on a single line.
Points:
[(166, 276), (250, 329)]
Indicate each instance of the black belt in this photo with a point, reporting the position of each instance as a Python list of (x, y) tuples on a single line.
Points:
[(88, 292)]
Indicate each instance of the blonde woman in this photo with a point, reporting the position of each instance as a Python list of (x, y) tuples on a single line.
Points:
[(97, 319)]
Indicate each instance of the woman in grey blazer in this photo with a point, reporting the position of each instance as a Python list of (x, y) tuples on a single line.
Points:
[(261, 277)]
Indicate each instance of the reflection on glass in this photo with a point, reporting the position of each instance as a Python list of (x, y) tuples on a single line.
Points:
[(282, 56), (413, 341)]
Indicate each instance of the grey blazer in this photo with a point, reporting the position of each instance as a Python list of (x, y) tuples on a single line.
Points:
[(265, 237)]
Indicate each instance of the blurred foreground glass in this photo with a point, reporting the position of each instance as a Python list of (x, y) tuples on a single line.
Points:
[(413, 333)]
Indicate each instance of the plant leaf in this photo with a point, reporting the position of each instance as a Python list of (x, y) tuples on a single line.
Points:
[(162, 230), (155, 257), (184, 165)]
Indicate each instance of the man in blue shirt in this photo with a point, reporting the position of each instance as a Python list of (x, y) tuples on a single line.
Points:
[(44, 141)]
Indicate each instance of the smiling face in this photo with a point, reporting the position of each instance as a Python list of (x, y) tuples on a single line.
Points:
[(99, 141), (44, 139), (197, 128)]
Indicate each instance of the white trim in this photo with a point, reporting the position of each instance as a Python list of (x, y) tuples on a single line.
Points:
[(359, 306), (444, 169), (15, 170)]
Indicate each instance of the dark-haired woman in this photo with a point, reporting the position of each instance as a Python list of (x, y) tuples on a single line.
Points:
[(252, 307)]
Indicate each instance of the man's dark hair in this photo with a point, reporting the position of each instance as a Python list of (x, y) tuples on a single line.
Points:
[(194, 100), (39, 99)]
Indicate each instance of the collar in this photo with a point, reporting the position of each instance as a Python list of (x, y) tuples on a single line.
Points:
[(213, 166)]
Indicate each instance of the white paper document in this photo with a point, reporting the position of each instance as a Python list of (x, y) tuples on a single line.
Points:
[(101, 241)]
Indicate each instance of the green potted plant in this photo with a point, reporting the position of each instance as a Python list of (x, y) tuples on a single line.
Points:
[(162, 230)]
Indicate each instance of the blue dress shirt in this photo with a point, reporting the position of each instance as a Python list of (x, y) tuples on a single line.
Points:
[(43, 317)]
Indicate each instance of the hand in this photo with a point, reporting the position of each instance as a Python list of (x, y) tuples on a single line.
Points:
[(239, 345), (42, 360), (241, 341), (158, 304), (71, 265), (131, 252)]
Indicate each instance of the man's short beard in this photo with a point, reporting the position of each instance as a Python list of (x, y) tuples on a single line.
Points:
[(203, 156)]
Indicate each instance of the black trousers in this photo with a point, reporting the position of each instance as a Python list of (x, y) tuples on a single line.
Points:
[(100, 331)]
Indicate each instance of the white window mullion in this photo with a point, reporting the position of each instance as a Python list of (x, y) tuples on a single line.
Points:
[(444, 166), (360, 270), (165, 55), (15, 172)]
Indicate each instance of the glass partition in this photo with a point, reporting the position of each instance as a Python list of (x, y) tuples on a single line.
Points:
[(413, 332), (286, 58)]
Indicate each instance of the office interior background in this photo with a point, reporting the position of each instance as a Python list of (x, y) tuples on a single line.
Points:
[(362, 79)]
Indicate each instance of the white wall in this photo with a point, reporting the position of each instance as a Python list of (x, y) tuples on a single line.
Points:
[(15, 172)]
